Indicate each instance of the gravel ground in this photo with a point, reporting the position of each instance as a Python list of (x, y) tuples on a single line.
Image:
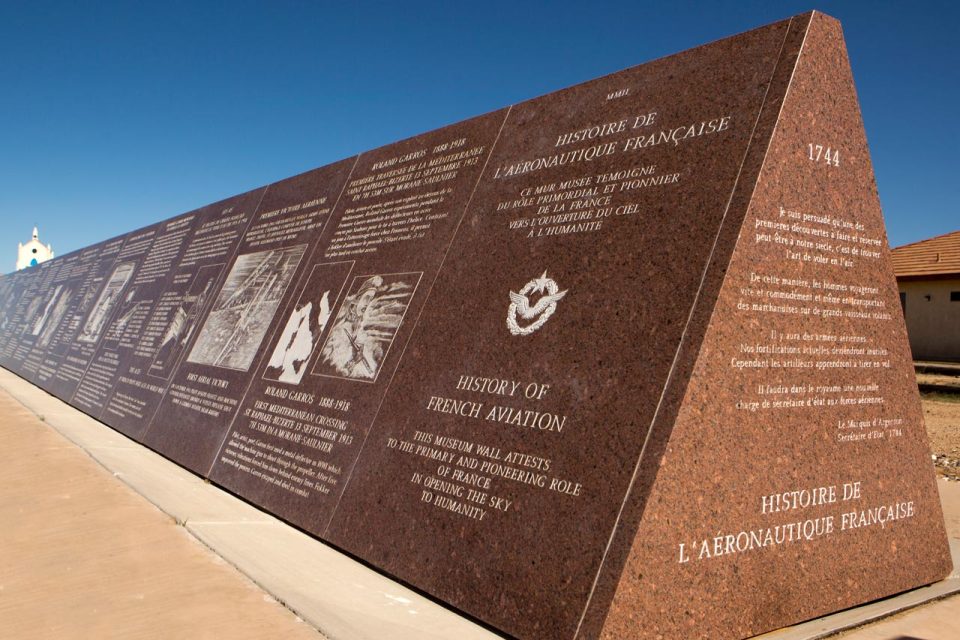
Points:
[(941, 412)]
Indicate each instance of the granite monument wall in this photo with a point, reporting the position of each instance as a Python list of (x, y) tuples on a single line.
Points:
[(625, 360)]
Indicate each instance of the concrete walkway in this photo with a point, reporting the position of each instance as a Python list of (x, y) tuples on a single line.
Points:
[(938, 620), (84, 554)]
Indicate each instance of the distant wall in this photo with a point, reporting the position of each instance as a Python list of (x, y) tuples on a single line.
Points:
[(934, 323)]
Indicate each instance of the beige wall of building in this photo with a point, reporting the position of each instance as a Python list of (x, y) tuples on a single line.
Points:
[(933, 324)]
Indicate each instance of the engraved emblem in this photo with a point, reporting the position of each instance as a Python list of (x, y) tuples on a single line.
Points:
[(540, 312)]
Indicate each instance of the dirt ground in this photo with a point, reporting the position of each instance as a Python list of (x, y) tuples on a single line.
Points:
[(941, 412)]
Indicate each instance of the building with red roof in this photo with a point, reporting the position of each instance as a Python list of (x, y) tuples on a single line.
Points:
[(928, 275)]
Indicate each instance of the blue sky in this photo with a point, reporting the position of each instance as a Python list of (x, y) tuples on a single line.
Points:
[(118, 116)]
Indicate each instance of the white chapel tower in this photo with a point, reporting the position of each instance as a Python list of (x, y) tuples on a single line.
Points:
[(33, 253)]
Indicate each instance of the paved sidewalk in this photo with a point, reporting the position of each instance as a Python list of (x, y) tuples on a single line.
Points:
[(84, 556), (934, 621)]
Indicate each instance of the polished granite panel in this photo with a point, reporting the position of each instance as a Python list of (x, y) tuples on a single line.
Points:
[(337, 342), (226, 343), (172, 291), (498, 464), (797, 477)]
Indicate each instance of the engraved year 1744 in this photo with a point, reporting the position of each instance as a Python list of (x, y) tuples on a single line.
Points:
[(820, 153)]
